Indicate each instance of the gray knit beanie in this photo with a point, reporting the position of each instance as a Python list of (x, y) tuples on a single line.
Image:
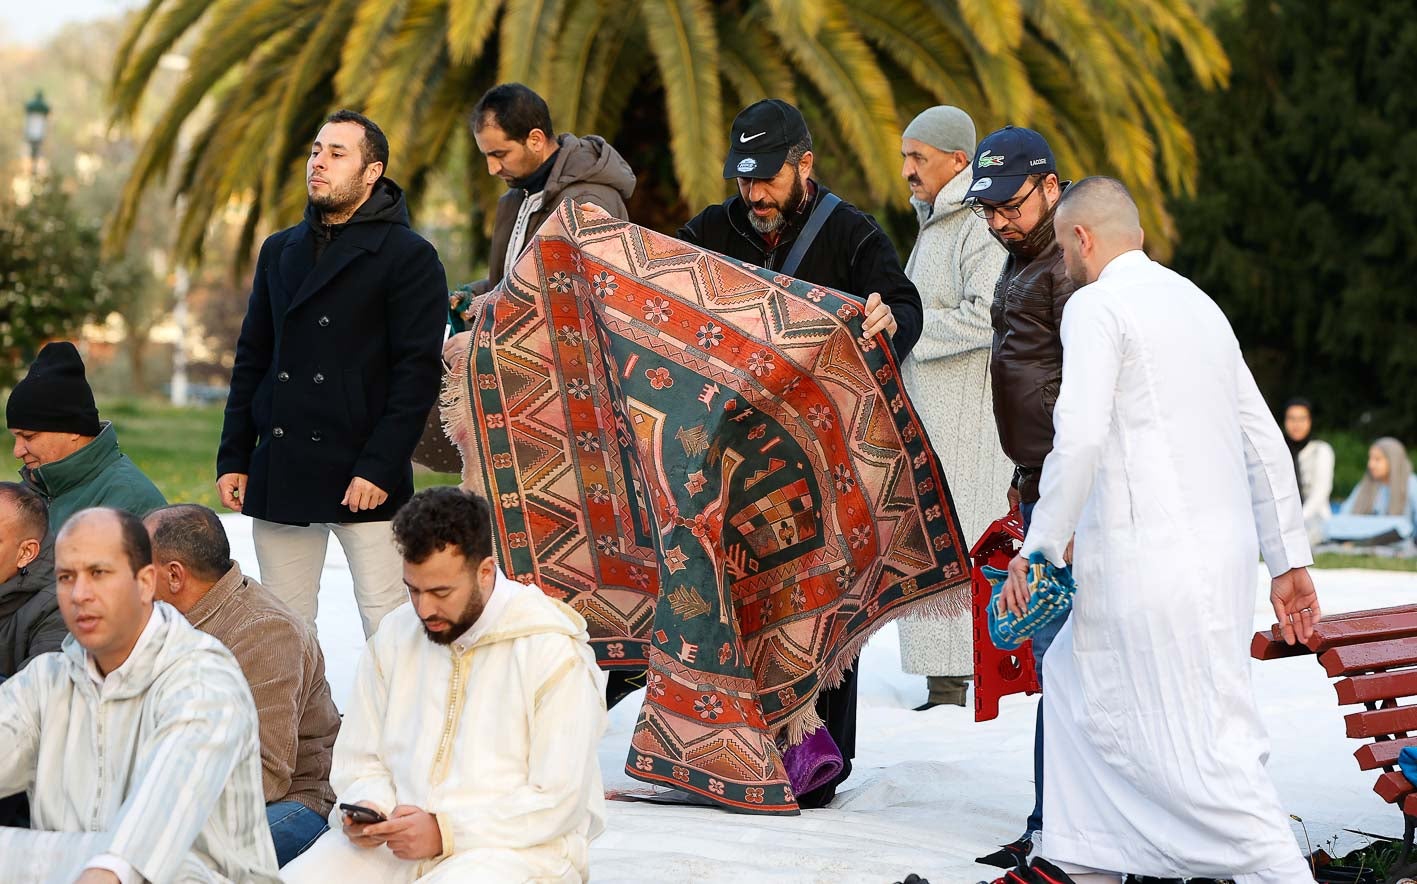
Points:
[(943, 127)]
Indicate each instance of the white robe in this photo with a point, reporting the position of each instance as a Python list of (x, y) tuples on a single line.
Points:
[(1170, 467), (154, 769), (495, 735)]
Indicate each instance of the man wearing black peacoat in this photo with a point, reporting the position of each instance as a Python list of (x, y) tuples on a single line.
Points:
[(336, 369)]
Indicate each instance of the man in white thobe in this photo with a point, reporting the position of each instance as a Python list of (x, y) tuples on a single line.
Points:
[(473, 726), (1170, 467), (137, 740)]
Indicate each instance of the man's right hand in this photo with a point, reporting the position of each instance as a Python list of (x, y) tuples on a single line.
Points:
[(232, 487), (354, 831), (455, 348), (1296, 604), (1013, 498)]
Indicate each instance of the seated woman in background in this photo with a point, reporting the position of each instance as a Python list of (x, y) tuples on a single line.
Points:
[(1383, 508), (1313, 462)]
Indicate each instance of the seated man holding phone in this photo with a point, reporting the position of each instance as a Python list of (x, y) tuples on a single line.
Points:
[(468, 750)]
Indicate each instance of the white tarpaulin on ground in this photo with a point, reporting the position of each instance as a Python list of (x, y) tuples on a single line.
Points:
[(930, 790)]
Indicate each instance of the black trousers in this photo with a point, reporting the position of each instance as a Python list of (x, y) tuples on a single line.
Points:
[(837, 707)]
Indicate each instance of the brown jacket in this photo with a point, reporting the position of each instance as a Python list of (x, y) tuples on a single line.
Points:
[(1026, 361), (587, 170), (282, 661)]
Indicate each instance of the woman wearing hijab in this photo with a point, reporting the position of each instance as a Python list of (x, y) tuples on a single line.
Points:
[(1313, 463), (1383, 508)]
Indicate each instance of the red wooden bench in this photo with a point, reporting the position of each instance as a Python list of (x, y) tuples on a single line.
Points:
[(1373, 654)]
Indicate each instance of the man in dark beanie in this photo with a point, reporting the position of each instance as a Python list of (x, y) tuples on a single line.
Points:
[(71, 457)]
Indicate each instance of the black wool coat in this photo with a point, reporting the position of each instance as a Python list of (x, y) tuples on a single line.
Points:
[(337, 366)]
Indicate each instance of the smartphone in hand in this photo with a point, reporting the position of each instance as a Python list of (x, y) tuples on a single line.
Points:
[(361, 814)]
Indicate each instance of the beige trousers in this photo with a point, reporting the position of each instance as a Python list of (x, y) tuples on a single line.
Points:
[(292, 558)]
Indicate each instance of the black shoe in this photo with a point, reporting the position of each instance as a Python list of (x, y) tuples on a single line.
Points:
[(926, 705), (1010, 856), (913, 878)]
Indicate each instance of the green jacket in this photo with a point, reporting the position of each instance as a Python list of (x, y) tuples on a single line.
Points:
[(96, 475)]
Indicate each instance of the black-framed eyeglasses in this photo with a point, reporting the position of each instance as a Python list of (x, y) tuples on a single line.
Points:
[(1010, 211)]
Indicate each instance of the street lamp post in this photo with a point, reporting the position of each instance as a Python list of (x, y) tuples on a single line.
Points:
[(36, 122)]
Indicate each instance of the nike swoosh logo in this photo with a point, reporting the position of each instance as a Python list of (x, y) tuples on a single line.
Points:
[(744, 139)]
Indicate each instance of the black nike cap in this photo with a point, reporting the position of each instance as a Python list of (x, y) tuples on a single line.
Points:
[(762, 135)]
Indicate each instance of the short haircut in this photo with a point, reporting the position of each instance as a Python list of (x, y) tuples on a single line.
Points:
[(375, 146), (191, 534), (515, 109), (798, 150), (1102, 200), (137, 546), (31, 510), (437, 518)]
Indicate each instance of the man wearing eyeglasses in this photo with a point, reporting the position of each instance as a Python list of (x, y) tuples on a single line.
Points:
[(1015, 190)]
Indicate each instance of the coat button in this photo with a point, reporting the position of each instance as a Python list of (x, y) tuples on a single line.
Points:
[(324, 321), (315, 436), (278, 432), (283, 376), (319, 378)]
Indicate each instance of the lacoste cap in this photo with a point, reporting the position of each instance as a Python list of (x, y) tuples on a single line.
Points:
[(1005, 159)]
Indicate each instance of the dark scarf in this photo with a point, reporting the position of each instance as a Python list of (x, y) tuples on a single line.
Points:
[(1297, 445)]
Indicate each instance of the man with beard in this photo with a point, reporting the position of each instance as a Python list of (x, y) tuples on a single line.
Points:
[(782, 219), (770, 157), (1015, 190), (955, 264), (473, 724), (511, 125), (336, 369)]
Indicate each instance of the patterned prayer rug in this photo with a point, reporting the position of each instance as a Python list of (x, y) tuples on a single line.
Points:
[(713, 466)]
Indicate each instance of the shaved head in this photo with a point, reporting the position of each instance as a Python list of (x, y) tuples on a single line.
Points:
[(1096, 221)]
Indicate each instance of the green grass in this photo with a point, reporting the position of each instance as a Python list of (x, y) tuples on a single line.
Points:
[(176, 448), (1370, 563)]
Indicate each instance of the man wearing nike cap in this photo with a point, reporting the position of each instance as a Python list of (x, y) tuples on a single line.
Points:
[(770, 156), (783, 220), (1015, 191)]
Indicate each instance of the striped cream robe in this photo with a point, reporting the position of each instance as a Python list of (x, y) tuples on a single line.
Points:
[(155, 765)]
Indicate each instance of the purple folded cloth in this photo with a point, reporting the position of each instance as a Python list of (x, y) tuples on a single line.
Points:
[(812, 763)]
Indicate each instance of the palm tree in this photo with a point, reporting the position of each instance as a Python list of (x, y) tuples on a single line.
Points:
[(1087, 73)]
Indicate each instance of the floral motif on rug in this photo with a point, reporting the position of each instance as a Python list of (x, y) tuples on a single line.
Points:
[(717, 470)]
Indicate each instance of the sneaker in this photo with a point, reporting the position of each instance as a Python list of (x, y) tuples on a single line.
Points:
[(1045, 872), (1010, 856), (1041, 872)]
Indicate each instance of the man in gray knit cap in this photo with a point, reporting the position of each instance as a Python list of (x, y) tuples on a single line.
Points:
[(954, 265)]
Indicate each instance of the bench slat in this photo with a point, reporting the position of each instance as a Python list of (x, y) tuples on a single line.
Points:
[(1351, 615), (1381, 722), (1354, 659), (1409, 806), (1262, 647), (1358, 630), (1393, 787), (1375, 687), (1372, 756)]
